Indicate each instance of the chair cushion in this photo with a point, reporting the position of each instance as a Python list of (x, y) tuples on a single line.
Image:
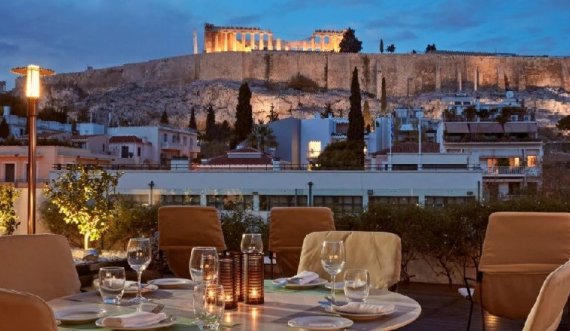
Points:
[(24, 312)]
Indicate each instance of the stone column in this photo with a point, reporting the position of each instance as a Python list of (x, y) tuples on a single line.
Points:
[(234, 41), (313, 44), (322, 37), (217, 42), (304, 45), (270, 42), (261, 46), (278, 44), (225, 38)]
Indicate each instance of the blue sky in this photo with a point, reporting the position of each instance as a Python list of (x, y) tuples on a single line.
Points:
[(69, 35)]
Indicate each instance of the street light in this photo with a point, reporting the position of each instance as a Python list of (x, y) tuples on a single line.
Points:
[(151, 185), (32, 74)]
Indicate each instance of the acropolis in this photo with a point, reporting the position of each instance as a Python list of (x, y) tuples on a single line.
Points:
[(247, 39)]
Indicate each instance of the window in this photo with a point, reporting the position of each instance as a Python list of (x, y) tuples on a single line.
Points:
[(230, 202), (180, 199), (125, 152), (165, 138), (314, 149), (138, 151), (393, 200), (185, 140), (9, 172), (266, 202), (441, 201), (531, 161), (343, 204)]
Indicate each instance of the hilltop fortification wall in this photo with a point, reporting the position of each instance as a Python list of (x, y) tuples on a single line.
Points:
[(406, 74)]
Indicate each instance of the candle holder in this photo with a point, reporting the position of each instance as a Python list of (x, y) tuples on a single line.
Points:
[(227, 279), (238, 283), (253, 266)]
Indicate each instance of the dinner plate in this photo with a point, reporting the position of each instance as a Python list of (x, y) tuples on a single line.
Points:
[(320, 322), (131, 288), (338, 286), (293, 286), (81, 314), (169, 321), (172, 282), (363, 316)]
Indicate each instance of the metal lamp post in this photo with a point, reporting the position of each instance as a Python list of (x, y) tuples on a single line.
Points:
[(151, 185), (32, 74)]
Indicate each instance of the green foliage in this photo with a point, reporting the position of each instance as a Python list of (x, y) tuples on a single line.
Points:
[(384, 97), (84, 195), (345, 155), (430, 48), (210, 124), (504, 116), (391, 48), (303, 83), (8, 218), (164, 118), (470, 113), (53, 114), (564, 123), (327, 112), (273, 116), (132, 219), (244, 115), (381, 45), (355, 120), (237, 222), (17, 105), (349, 42), (4, 129), (262, 137), (192, 122)]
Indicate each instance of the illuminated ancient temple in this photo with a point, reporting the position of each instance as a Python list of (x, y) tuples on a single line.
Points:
[(247, 39)]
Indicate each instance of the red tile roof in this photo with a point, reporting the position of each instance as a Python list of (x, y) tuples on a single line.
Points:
[(262, 159)]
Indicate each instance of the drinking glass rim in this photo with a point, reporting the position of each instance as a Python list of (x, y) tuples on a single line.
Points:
[(251, 234), (111, 268), (205, 248)]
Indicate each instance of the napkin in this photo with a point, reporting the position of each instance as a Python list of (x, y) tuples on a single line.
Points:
[(136, 319), (304, 277), (364, 308)]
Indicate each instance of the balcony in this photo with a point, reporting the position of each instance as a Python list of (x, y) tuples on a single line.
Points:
[(511, 171)]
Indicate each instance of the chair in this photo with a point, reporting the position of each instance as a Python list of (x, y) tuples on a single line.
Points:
[(288, 226), (24, 312), (547, 311), (520, 249), (183, 227), (40, 264), (379, 252)]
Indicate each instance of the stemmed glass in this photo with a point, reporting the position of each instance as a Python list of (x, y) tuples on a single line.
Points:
[(138, 257), (251, 243), (332, 260), (204, 264)]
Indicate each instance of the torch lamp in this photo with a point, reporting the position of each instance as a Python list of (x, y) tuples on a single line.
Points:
[(32, 74)]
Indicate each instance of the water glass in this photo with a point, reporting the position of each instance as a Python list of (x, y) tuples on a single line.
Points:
[(111, 284), (138, 257), (209, 305), (356, 285), (332, 260), (251, 243), (204, 264)]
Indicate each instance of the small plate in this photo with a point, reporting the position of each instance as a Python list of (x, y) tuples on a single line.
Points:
[(79, 314), (162, 324), (172, 283), (293, 286), (320, 322), (363, 317), (338, 286), (131, 288)]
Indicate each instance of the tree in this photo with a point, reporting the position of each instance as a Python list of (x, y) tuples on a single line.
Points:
[(210, 124), (4, 129), (564, 123), (342, 155), (8, 218), (164, 117), (84, 195), (327, 112), (391, 48), (355, 119), (349, 42), (368, 120), (430, 48), (383, 97), (192, 123), (262, 137), (381, 45), (244, 115), (273, 116)]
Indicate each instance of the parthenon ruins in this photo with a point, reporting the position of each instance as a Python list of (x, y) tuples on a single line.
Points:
[(245, 39)]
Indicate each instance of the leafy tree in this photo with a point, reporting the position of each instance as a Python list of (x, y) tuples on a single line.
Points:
[(391, 48), (368, 120), (84, 195), (4, 129), (8, 218), (262, 137), (327, 112), (383, 98), (244, 115), (342, 155), (210, 124), (470, 113), (53, 114), (430, 48), (273, 116), (564, 123), (17, 105), (355, 119), (164, 118), (349, 42), (192, 123), (381, 45)]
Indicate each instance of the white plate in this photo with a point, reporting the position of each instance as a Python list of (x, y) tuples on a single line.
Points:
[(131, 288), (79, 314), (338, 286), (320, 322), (365, 317), (162, 324), (293, 286), (172, 282)]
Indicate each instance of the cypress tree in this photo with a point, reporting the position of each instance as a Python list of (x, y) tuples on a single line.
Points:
[(244, 115), (383, 100), (4, 129), (355, 120), (210, 124), (192, 123), (381, 46), (164, 117)]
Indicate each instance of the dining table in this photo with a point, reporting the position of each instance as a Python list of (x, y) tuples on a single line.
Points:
[(280, 306)]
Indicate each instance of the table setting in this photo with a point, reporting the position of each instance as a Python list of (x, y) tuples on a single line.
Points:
[(228, 291)]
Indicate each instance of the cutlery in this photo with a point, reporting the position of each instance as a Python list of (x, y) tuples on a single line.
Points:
[(334, 302)]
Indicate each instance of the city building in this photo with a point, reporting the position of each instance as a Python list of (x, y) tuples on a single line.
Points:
[(18, 125)]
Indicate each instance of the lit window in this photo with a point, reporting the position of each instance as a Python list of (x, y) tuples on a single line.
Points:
[(531, 161), (314, 149)]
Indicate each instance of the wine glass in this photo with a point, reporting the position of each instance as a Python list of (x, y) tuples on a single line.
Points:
[(138, 257), (204, 264), (209, 305), (332, 260), (251, 243)]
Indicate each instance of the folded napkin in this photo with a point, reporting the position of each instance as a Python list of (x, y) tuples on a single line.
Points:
[(364, 308), (136, 319), (304, 277)]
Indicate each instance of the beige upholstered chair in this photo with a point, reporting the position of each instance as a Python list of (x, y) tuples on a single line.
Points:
[(183, 227), (519, 251), (547, 311), (288, 226), (379, 252), (24, 312), (40, 264)]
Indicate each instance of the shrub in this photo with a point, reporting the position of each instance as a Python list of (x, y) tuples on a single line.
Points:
[(303, 83), (237, 222), (8, 218)]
